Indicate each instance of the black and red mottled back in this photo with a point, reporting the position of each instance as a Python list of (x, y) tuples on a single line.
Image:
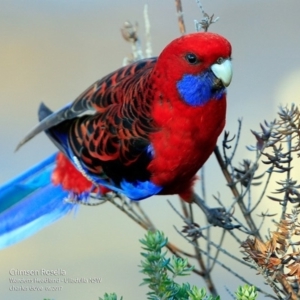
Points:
[(112, 140)]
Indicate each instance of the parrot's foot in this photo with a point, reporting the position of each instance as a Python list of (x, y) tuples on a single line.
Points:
[(90, 199), (220, 217), (216, 216)]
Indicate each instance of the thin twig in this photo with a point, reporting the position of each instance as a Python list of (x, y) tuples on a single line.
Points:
[(203, 192), (263, 192), (236, 194), (288, 176), (148, 50), (206, 20), (238, 135), (180, 16)]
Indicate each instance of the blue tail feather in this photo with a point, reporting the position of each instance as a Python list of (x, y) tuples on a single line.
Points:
[(26, 183), (30, 202)]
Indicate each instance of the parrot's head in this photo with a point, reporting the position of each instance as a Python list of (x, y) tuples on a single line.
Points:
[(199, 65)]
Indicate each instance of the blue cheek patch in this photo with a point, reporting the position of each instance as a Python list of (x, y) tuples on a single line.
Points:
[(197, 90)]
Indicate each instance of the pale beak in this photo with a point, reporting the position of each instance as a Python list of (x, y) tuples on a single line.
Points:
[(223, 71)]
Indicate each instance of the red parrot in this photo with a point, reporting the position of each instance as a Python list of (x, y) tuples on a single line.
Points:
[(143, 130)]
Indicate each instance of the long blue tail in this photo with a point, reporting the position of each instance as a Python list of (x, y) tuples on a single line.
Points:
[(30, 202)]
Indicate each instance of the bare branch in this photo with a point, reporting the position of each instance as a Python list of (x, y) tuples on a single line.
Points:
[(180, 16)]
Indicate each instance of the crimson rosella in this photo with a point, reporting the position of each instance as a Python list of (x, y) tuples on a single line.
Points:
[(143, 130)]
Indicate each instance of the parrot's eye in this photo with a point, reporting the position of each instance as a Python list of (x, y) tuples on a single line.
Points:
[(220, 60), (191, 58)]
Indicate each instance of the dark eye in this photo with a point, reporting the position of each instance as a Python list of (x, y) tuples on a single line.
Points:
[(191, 58), (220, 60)]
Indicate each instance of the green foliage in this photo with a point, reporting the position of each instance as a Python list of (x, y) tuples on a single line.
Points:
[(196, 294), (112, 296), (246, 292), (160, 272)]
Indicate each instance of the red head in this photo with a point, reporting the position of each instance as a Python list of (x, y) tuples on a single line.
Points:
[(193, 54)]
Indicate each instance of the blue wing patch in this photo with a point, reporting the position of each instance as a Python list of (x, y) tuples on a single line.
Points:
[(140, 189)]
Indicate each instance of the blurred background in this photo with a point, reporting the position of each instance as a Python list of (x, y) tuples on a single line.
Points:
[(52, 50)]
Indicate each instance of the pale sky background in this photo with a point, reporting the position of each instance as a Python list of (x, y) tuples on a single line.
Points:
[(52, 50)]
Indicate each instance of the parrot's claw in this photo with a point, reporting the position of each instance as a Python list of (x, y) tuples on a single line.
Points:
[(99, 198), (216, 216), (91, 199), (220, 217)]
